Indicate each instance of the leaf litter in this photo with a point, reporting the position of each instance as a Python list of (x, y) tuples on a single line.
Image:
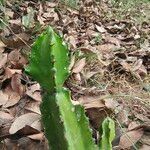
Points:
[(110, 67)]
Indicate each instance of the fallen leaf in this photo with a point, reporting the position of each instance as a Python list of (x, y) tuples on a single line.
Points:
[(91, 102), (112, 40), (125, 65), (100, 29), (14, 56), (3, 60), (130, 138), (111, 103), (137, 64), (22, 121), (34, 92), (36, 95), (78, 67), (16, 41), (123, 117), (3, 98), (2, 47), (39, 136), (34, 107), (145, 147), (88, 75), (10, 72), (77, 77), (72, 62), (16, 84), (37, 125), (13, 97), (132, 125), (106, 48), (5, 117)]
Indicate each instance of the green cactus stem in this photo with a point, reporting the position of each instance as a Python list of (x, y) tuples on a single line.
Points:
[(66, 126)]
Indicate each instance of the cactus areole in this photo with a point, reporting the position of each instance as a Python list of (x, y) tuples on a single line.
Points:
[(66, 126)]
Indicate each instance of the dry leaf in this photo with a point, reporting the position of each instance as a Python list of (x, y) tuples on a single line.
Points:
[(13, 97), (3, 60), (72, 62), (16, 84), (34, 107), (112, 40), (77, 77), (22, 121), (88, 75), (125, 65), (39, 136), (91, 102), (145, 147), (14, 56), (137, 64), (5, 117), (130, 138), (36, 95), (106, 48), (37, 125), (34, 92), (16, 41), (100, 29), (3, 98), (111, 103), (10, 72), (78, 67), (132, 125)]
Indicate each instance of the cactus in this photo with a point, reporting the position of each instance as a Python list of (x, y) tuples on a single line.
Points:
[(108, 134), (66, 126)]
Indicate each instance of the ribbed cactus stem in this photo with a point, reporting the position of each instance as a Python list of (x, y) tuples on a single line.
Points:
[(66, 126)]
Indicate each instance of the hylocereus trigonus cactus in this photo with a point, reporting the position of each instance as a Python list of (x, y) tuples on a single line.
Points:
[(66, 126)]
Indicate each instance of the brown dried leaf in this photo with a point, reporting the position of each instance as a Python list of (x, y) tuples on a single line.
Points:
[(132, 125), (2, 45), (10, 72), (3, 60), (91, 102), (37, 125), (72, 62), (34, 92), (130, 138), (106, 48), (79, 65), (112, 40), (100, 29), (77, 77), (111, 103), (145, 147), (125, 65), (5, 117), (39, 136), (14, 56), (137, 64), (34, 107), (36, 95), (13, 99), (16, 41), (22, 121), (88, 75), (3, 98), (16, 84)]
